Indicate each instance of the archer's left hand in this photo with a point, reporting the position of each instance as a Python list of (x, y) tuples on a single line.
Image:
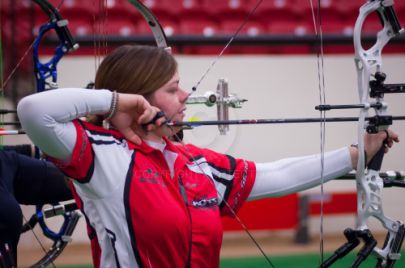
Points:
[(373, 142)]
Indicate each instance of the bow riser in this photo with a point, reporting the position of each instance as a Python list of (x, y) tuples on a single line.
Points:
[(370, 185)]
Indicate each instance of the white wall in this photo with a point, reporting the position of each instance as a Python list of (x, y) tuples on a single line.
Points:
[(276, 87)]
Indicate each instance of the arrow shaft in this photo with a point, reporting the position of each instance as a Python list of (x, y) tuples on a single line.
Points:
[(271, 121)]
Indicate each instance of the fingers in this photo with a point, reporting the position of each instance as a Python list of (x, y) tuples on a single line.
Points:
[(157, 120), (130, 135), (146, 112), (150, 116), (390, 137)]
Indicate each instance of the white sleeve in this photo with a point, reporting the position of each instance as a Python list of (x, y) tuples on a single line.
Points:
[(46, 117), (291, 175)]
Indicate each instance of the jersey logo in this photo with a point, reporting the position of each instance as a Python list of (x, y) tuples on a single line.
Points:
[(205, 203), (150, 176)]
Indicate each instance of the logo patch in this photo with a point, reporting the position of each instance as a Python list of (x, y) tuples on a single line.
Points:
[(150, 176), (205, 203)]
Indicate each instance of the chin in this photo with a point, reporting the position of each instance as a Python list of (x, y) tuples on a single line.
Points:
[(178, 118), (168, 131)]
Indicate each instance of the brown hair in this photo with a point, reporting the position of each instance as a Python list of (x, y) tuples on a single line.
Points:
[(135, 69)]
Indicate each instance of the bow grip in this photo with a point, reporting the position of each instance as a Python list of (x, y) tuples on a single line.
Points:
[(376, 162)]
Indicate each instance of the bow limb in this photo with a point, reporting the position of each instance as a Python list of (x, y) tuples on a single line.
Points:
[(156, 28), (60, 238)]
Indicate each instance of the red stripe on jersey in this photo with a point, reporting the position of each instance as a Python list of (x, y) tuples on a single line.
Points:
[(95, 246), (80, 165)]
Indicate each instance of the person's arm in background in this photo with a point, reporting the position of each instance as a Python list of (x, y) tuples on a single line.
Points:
[(36, 181), (25, 149)]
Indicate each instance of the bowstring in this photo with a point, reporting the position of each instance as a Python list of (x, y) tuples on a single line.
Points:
[(104, 41), (98, 19), (10, 76), (317, 21), (4, 82)]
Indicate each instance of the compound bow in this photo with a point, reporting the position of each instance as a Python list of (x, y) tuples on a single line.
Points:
[(369, 183), (46, 78)]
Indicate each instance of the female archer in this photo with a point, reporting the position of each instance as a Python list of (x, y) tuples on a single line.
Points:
[(153, 202)]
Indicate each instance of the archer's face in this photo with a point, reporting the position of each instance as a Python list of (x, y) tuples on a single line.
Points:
[(171, 99)]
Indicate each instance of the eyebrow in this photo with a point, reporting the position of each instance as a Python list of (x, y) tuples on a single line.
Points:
[(175, 82)]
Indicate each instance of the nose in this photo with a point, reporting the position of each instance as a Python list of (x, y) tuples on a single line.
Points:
[(183, 95)]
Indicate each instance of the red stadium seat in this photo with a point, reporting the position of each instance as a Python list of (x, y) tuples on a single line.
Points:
[(399, 8), (297, 28), (275, 9), (338, 28), (203, 27), (80, 27), (170, 27), (372, 24), (224, 9), (75, 8), (118, 9), (289, 28), (174, 8), (199, 26), (17, 7), (349, 8), (328, 9), (251, 28), (117, 27)]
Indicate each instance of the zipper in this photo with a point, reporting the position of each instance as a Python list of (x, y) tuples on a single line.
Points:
[(184, 195)]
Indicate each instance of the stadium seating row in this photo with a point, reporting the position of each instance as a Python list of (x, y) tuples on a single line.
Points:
[(200, 17), (215, 8), (205, 17)]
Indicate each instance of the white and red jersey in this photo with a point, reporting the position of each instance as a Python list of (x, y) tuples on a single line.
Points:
[(148, 205), (145, 214)]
